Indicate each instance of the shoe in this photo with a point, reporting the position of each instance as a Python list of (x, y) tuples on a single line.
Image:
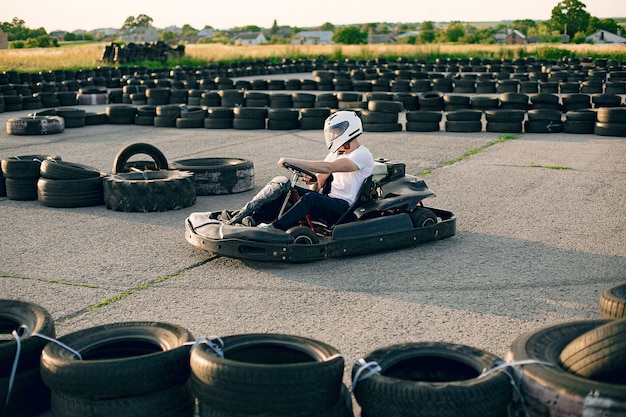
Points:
[(248, 221), (226, 215), (266, 226)]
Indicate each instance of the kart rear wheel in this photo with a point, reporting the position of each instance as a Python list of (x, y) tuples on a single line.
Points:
[(302, 235), (423, 217)]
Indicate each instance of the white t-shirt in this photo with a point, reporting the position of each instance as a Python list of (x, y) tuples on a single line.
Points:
[(346, 185)]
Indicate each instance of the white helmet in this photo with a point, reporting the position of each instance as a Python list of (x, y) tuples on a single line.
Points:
[(340, 128)]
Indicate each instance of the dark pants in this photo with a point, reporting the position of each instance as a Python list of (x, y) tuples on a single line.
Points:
[(320, 206)]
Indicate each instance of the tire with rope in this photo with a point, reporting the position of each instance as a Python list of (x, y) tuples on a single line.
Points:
[(432, 379)]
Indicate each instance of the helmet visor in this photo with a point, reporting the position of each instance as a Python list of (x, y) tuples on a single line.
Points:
[(334, 131)]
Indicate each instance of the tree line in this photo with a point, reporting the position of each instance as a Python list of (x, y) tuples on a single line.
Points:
[(568, 18)]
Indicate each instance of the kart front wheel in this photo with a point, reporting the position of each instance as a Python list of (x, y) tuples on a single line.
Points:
[(303, 235), (423, 217)]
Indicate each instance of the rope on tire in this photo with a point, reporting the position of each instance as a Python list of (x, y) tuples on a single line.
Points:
[(502, 365), (370, 368), (209, 341), (22, 332)]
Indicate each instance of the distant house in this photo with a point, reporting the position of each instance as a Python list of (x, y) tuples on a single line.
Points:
[(515, 37), (510, 37), (603, 36), (205, 33), (140, 35), (249, 38), (313, 37), (415, 33), (380, 38), (4, 40), (57, 34)]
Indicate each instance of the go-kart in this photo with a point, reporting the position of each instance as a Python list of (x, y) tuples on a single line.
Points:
[(388, 213)]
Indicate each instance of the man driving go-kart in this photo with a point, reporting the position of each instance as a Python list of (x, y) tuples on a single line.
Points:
[(342, 172)]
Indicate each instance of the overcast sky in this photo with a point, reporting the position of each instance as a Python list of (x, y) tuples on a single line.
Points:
[(70, 15)]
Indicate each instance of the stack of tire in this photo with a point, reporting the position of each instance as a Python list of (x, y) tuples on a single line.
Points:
[(505, 120), (283, 119), (611, 121), (191, 117), (28, 396), (382, 116), (327, 100), (219, 118), (166, 115), (576, 368), (313, 118), (269, 374), (580, 121), (138, 369), (469, 120), (218, 175), (431, 101), (21, 175), (72, 117), (433, 379), (35, 125), (65, 185), (146, 191), (145, 115), (543, 121), (583, 359), (121, 114), (249, 118), (423, 121)]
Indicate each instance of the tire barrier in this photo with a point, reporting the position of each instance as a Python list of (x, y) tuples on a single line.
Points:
[(546, 387), (573, 369), (21, 174), (115, 368), (268, 374), (613, 302), (432, 379), (219, 175), (65, 184), (22, 391), (521, 84)]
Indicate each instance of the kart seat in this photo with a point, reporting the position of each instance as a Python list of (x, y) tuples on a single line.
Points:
[(366, 193)]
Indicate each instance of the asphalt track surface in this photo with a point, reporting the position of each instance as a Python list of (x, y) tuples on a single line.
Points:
[(540, 234)]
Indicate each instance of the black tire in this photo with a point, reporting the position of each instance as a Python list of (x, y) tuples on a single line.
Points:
[(149, 191), (250, 113), (282, 124), (29, 395), (423, 217), (16, 313), (21, 189), (598, 354), (464, 115), (62, 170), (219, 175), (176, 401), (543, 126), (118, 360), (218, 123), (268, 374), (312, 123), (24, 166), (377, 117), (544, 114), (84, 192), (342, 408), (72, 117), (612, 115), (385, 106), (581, 116), (189, 123), (542, 386), (505, 115), (485, 103), (433, 379), (463, 126), (37, 125), (504, 127), (570, 126), (613, 302), (248, 124), (283, 114), (121, 114), (303, 235), (610, 129), (382, 127), (124, 154), (422, 126)]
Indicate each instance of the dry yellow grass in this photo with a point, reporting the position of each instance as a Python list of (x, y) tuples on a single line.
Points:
[(88, 55)]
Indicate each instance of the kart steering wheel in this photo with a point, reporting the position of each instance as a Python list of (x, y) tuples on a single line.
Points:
[(301, 171)]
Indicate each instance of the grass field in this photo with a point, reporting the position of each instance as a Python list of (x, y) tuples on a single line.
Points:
[(86, 56)]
